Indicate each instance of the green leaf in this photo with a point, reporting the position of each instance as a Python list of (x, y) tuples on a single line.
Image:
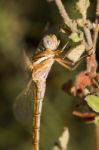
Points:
[(75, 37), (93, 102), (82, 6)]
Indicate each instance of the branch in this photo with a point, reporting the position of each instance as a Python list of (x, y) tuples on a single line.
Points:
[(95, 39), (97, 136), (96, 30), (62, 11), (67, 20), (88, 36)]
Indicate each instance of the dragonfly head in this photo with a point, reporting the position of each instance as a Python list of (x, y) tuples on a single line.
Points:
[(51, 42)]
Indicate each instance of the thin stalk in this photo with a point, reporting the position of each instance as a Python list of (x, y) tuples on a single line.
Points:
[(87, 33), (62, 11), (95, 38), (88, 36), (67, 20), (96, 32), (97, 136)]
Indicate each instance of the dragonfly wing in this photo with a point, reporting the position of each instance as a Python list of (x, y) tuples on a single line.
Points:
[(23, 105), (27, 61)]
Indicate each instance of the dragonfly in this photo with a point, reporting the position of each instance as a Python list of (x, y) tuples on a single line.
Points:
[(40, 67)]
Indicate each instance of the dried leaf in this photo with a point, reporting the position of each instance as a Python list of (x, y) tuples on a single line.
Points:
[(63, 140), (80, 22), (74, 54), (82, 6), (73, 25), (93, 102)]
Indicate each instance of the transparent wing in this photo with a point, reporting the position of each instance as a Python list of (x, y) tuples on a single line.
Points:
[(27, 61), (23, 104)]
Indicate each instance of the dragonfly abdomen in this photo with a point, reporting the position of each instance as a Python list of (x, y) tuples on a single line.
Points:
[(39, 91)]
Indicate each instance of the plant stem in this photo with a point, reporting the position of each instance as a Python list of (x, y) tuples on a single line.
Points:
[(67, 20), (62, 11), (87, 33), (88, 36), (97, 8), (95, 37), (97, 136)]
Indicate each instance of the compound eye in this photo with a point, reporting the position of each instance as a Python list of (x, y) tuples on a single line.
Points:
[(49, 42)]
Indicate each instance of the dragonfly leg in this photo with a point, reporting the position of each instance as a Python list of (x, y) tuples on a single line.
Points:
[(63, 48), (67, 64)]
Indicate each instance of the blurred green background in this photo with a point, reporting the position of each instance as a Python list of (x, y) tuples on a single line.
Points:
[(22, 26)]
